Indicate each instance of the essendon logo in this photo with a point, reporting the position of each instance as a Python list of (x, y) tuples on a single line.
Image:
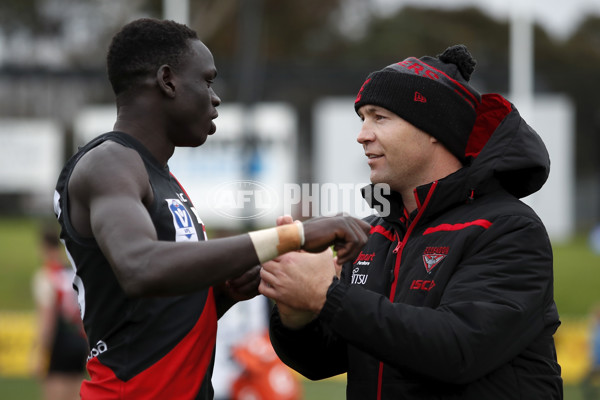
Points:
[(420, 98), (359, 95), (432, 256)]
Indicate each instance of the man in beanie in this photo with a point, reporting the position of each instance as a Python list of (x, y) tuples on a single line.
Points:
[(452, 296)]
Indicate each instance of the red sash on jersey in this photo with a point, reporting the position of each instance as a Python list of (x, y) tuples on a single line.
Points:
[(178, 375)]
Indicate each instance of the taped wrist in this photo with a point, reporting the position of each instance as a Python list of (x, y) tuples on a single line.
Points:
[(269, 243)]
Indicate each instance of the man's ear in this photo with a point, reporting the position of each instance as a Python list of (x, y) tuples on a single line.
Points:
[(165, 79)]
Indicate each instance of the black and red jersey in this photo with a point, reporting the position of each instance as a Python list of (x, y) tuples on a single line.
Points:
[(141, 348)]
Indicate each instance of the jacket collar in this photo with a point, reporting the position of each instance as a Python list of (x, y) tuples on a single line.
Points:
[(436, 197)]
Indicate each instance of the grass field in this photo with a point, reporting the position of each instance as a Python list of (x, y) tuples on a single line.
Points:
[(18, 258), (28, 389), (577, 283)]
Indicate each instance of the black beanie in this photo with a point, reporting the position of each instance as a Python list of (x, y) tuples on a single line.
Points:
[(432, 94)]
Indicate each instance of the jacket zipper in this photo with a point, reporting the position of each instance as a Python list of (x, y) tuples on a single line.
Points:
[(398, 251)]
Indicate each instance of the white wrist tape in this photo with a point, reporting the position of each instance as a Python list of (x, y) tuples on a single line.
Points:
[(269, 243), (301, 232)]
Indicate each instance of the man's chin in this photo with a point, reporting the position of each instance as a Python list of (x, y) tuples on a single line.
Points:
[(375, 179), (194, 143), (380, 180)]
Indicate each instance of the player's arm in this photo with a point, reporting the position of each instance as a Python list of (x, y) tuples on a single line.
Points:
[(241, 288), (110, 184)]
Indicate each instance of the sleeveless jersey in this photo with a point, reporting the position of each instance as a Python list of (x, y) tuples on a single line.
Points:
[(141, 348)]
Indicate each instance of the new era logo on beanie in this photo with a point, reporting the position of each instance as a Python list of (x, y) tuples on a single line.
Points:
[(432, 93), (420, 97)]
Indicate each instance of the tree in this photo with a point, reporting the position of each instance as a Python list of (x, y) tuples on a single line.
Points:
[(571, 67)]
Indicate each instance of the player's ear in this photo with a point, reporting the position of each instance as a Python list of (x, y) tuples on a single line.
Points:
[(165, 80)]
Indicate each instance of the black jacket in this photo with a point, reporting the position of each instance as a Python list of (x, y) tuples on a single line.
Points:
[(454, 301)]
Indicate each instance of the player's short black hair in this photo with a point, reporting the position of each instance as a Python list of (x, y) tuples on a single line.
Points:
[(142, 46)]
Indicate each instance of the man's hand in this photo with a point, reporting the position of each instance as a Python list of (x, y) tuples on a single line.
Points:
[(293, 318), (347, 234), (299, 280), (244, 287)]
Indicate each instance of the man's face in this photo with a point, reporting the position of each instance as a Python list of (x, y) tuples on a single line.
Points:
[(398, 152), (196, 100)]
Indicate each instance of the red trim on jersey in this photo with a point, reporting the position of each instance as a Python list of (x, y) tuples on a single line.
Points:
[(178, 375), (456, 227), (180, 185), (189, 198)]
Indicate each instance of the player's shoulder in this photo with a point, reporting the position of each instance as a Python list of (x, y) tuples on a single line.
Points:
[(108, 163), (109, 156), (109, 152)]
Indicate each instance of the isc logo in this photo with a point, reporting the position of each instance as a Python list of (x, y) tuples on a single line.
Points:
[(422, 285)]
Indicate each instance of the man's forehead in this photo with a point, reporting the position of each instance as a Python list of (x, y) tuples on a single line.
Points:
[(199, 49), (372, 108), (201, 55)]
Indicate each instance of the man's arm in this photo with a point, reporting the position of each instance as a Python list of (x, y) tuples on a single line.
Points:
[(312, 350), (489, 312), (109, 192)]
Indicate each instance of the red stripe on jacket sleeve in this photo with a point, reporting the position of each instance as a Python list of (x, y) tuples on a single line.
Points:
[(456, 227)]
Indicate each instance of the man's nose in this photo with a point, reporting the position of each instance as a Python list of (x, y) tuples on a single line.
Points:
[(365, 134)]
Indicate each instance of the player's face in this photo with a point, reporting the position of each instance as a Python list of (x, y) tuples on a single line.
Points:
[(397, 152), (196, 99)]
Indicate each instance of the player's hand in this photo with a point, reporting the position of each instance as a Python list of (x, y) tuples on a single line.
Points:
[(348, 235), (245, 286)]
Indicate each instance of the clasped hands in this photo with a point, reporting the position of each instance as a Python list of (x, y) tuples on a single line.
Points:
[(298, 282)]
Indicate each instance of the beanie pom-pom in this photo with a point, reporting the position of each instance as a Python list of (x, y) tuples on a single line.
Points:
[(459, 56)]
